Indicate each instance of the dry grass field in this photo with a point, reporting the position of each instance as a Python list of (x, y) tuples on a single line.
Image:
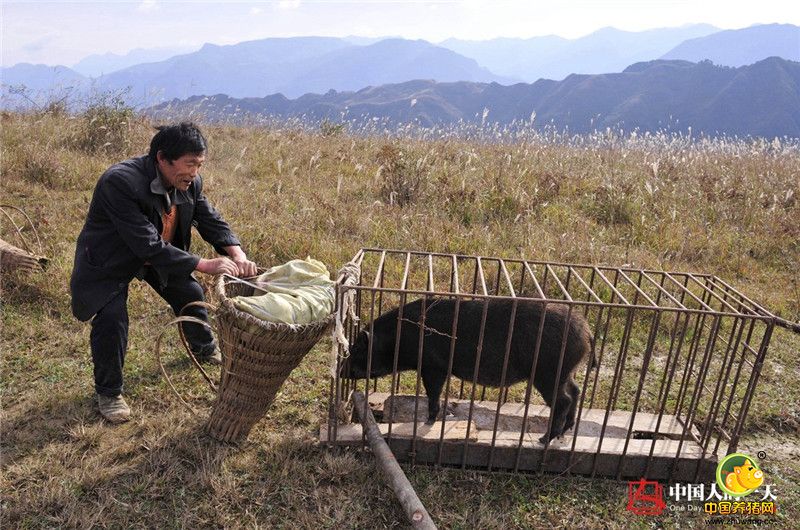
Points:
[(727, 207)]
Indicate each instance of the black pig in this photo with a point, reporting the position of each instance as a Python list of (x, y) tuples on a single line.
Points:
[(436, 349)]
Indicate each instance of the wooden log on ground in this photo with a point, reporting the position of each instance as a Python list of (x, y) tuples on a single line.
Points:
[(398, 481)]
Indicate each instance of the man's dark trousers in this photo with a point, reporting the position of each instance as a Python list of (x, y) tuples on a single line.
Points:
[(109, 335)]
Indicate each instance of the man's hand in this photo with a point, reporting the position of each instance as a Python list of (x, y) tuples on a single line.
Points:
[(218, 266), (245, 266)]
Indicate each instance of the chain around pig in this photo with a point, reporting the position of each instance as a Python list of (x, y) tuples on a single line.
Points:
[(428, 330)]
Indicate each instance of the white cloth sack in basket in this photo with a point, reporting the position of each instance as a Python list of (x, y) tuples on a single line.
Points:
[(300, 292)]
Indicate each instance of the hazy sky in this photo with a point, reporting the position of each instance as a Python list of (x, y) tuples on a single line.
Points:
[(65, 32)]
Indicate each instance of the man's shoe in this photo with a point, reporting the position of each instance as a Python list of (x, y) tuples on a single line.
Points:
[(213, 358), (113, 409)]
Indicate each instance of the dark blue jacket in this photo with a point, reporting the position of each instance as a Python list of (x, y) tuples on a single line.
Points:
[(123, 231)]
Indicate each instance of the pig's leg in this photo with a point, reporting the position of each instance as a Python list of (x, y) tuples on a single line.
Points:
[(561, 406), (545, 387), (433, 380), (574, 393)]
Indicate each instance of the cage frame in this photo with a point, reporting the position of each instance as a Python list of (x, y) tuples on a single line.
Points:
[(732, 306)]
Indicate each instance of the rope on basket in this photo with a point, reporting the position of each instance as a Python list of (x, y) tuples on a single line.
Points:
[(349, 274)]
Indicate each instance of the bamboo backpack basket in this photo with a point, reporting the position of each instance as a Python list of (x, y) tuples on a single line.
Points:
[(13, 258), (257, 357)]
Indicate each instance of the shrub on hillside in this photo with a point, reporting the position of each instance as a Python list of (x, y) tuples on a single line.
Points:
[(106, 126), (401, 180)]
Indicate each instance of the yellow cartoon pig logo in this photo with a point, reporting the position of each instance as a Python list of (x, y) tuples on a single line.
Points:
[(739, 475)]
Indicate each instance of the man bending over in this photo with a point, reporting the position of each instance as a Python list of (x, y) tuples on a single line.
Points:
[(139, 226)]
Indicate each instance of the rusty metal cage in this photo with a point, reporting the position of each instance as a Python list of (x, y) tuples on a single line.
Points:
[(678, 356)]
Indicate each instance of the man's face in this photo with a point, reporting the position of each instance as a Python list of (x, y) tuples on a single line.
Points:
[(180, 173)]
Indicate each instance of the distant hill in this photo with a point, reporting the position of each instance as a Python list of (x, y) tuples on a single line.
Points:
[(552, 57), (738, 47), (99, 64), (762, 99), (39, 82), (293, 66)]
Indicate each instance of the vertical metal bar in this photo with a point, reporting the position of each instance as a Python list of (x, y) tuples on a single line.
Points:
[(690, 360), (423, 311), (544, 280), (509, 338), (453, 338), (748, 396), (394, 386), (474, 291), (623, 354), (379, 272), (719, 391), (454, 288), (615, 383), (557, 383), (369, 359), (508, 279), (453, 273), (693, 354), (651, 341), (735, 383), (403, 299), (536, 284), (564, 290), (485, 292), (482, 277), (567, 279), (475, 378), (579, 415), (605, 337), (534, 363), (497, 279), (662, 398), (695, 401), (381, 275), (430, 273)]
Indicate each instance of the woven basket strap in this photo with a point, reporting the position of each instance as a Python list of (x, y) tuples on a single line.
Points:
[(178, 320), (186, 342)]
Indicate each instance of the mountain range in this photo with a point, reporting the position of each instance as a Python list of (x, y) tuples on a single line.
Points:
[(300, 65), (99, 64), (404, 80), (291, 66), (742, 46), (762, 99), (553, 57)]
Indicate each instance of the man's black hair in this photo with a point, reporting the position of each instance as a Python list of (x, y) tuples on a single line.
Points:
[(174, 141)]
